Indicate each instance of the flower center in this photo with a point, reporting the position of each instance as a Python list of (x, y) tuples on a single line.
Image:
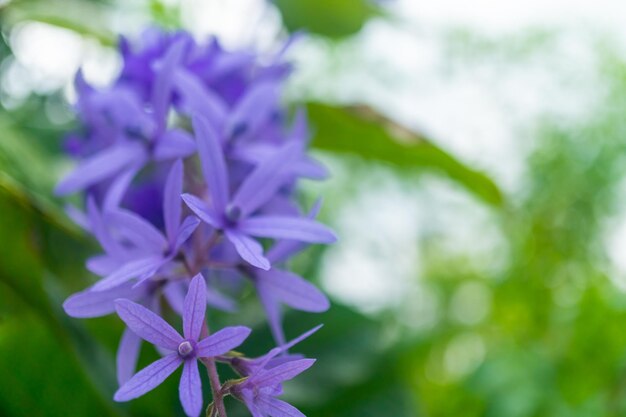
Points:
[(185, 349), (233, 213)]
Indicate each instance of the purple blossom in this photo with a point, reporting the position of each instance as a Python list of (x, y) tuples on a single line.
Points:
[(264, 378), (235, 216), (128, 136), (185, 350), (155, 249), (195, 121)]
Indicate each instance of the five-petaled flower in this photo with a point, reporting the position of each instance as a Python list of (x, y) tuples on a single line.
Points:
[(185, 350), (236, 217)]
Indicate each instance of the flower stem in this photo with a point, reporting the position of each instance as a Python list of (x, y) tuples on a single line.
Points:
[(214, 380), (216, 387)]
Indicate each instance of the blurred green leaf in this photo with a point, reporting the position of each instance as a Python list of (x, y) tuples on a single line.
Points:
[(361, 131), (38, 375), (331, 18), (28, 174), (65, 14), (42, 256), (167, 16)]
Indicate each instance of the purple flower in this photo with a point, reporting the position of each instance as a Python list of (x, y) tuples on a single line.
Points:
[(265, 376), (134, 137), (276, 356), (278, 286), (154, 249), (123, 133), (235, 216), (185, 350), (259, 391)]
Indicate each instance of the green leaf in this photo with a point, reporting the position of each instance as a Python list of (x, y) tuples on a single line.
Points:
[(331, 18), (28, 174), (42, 257), (66, 14), (40, 378), (363, 132)]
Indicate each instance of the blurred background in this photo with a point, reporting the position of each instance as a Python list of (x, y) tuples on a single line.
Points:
[(478, 159)]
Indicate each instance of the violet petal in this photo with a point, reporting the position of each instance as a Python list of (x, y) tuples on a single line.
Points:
[(138, 230), (197, 99), (281, 372), (89, 303), (249, 249), (174, 143), (293, 290), (172, 205), (148, 378), (127, 355), (287, 227), (194, 308), (101, 166), (190, 389), (277, 408), (148, 325), (202, 210), (138, 268), (261, 185), (222, 341), (213, 163), (189, 225)]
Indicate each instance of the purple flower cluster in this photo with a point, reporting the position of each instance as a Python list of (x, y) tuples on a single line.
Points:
[(188, 165)]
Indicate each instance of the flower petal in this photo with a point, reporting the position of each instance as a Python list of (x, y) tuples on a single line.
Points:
[(101, 166), (138, 230), (190, 224), (280, 373), (190, 389), (148, 325), (127, 355), (172, 205), (253, 109), (202, 210), (293, 290), (285, 248), (197, 99), (100, 229), (270, 360), (273, 312), (194, 308), (175, 295), (163, 83), (288, 227), (277, 408), (142, 268), (90, 303), (118, 188), (174, 143), (222, 341), (248, 399), (213, 162), (103, 264), (249, 249), (261, 185), (148, 378)]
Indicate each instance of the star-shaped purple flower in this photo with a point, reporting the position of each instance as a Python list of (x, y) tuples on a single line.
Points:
[(265, 376), (186, 350), (132, 137), (236, 216), (155, 249)]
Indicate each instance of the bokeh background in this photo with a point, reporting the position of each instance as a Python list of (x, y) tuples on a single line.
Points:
[(478, 153)]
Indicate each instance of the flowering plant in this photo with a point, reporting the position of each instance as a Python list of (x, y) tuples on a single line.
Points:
[(188, 165)]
